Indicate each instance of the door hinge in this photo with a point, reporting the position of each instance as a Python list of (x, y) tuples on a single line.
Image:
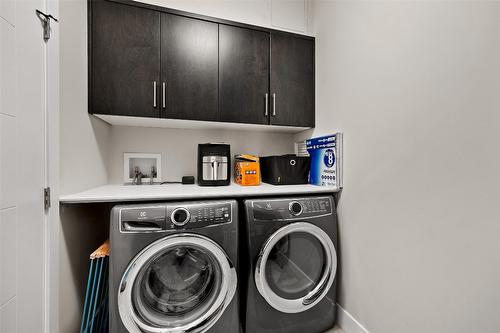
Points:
[(46, 198), (45, 18)]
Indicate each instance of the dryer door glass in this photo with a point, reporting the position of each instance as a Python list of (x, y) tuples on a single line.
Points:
[(295, 265)]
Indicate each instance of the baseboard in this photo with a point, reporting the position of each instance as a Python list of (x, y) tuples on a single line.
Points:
[(348, 323)]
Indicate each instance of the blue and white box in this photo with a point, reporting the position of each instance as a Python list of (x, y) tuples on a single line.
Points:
[(326, 160)]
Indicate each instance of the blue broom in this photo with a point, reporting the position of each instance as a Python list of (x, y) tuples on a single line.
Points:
[(95, 308)]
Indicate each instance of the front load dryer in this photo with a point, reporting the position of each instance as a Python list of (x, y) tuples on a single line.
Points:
[(290, 276), (173, 268)]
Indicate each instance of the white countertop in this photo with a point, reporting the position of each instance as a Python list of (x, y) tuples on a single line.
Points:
[(119, 193)]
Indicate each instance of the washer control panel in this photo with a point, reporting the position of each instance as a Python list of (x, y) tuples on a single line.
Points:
[(198, 215), (291, 209), (174, 216)]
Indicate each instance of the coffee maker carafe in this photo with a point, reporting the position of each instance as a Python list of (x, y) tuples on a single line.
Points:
[(214, 161)]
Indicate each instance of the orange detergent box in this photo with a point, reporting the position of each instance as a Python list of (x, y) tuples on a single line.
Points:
[(246, 170)]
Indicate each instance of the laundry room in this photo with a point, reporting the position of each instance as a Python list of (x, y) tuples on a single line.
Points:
[(249, 166)]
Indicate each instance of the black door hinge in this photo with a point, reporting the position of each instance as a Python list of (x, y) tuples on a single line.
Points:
[(46, 198), (45, 18)]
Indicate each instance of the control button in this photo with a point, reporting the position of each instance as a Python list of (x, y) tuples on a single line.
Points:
[(180, 216), (295, 208)]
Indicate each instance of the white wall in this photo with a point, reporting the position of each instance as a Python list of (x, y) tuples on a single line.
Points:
[(291, 15), (415, 87), (179, 147), (83, 138)]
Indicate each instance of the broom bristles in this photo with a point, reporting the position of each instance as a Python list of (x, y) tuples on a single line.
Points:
[(102, 251)]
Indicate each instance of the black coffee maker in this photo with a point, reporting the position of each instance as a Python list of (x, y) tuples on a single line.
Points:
[(214, 164)]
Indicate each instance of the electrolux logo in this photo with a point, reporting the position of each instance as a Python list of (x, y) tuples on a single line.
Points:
[(329, 158)]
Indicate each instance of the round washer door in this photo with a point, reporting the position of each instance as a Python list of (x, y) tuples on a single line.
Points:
[(296, 267), (180, 283)]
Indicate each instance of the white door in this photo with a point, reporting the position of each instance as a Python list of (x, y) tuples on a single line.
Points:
[(24, 106)]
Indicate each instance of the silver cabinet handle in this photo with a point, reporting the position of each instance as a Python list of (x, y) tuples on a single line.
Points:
[(154, 94), (164, 95), (267, 104), (274, 105)]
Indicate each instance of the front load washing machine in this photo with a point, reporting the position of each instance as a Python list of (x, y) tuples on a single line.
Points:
[(173, 268), (289, 279)]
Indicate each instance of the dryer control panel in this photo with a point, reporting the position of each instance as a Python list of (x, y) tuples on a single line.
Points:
[(291, 208), (175, 216)]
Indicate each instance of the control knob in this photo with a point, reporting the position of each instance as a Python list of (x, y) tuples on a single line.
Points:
[(295, 208), (180, 216)]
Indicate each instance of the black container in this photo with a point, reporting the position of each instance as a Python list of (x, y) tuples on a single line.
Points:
[(285, 169)]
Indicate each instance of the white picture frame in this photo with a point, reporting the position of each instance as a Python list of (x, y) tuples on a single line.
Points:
[(143, 161)]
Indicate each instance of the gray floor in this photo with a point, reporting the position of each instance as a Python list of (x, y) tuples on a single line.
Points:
[(336, 329)]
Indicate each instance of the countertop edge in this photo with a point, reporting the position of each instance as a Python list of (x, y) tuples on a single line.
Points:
[(115, 193)]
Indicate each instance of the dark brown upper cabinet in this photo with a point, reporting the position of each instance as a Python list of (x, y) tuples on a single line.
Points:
[(189, 68), (243, 75), (292, 80), (150, 61), (125, 60)]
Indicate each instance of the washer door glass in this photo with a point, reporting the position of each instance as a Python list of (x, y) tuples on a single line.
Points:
[(295, 265), (179, 283), (176, 286)]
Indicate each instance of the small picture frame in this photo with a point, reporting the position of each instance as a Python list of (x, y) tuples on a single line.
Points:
[(145, 164)]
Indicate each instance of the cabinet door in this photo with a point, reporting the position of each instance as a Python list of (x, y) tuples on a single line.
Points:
[(243, 75), (292, 80), (189, 68), (125, 60)]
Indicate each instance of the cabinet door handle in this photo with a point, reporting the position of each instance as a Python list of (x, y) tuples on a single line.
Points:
[(154, 94), (274, 105), (267, 104), (164, 95)]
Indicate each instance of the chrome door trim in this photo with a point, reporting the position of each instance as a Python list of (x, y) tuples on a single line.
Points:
[(229, 281), (326, 281)]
